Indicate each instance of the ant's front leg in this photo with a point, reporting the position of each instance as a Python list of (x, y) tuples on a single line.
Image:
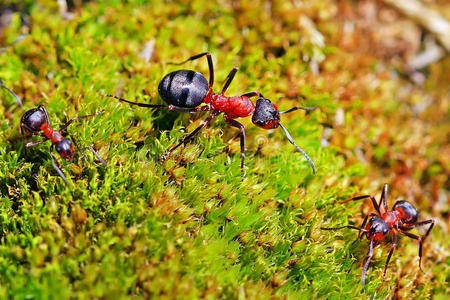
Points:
[(238, 125), (88, 147), (56, 165)]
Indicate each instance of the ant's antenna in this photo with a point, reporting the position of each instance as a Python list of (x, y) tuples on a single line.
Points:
[(12, 93), (298, 148)]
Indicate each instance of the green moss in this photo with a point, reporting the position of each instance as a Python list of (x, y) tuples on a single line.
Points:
[(188, 227)]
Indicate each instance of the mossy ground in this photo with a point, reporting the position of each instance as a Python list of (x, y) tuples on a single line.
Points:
[(189, 228)]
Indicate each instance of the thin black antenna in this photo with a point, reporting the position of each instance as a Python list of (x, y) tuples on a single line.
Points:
[(12, 93), (299, 107), (298, 148)]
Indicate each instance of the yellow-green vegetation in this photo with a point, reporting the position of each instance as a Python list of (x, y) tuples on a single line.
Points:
[(189, 228)]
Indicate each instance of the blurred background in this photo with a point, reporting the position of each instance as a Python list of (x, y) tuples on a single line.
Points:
[(378, 69)]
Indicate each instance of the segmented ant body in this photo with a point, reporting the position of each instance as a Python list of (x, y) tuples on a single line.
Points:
[(402, 218), (36, 122), (186, 90)]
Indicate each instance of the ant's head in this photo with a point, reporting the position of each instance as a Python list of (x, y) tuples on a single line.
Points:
[(266, 114), (406, 211), (377, 229), (65, 149)]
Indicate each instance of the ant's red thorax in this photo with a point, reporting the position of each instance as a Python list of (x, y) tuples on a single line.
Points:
[(53, 135), (391, 218), (233, 107)]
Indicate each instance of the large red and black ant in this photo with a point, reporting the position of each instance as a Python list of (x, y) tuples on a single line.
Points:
[(36, 122), (185, 90), (402, 218)]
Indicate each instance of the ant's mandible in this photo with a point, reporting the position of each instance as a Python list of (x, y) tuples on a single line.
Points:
[(185, 90), (402, 218), (36, 122)]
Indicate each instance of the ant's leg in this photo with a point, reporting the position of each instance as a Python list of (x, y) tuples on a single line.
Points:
[(298, 107), (75, 143), (229, 80), (56, 165), (252, 94), (394, 243), (12, 93), (42, 107), (235, 123), (191, 135), (360, 234), (170, 107), (31, 144), (210, 65), (81, 149), (291, 140), (30, 130), (420, 239), (367, 262), (78, 118), (95, 153), (384, 197), (374, 202)]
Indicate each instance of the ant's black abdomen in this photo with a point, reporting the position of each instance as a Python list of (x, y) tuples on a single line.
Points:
[(408, 213), (183, 88), (34, 119)]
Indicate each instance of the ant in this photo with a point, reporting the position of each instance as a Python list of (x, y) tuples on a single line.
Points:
[(402, 218), (186, 90), (11, 92), (36, 122)]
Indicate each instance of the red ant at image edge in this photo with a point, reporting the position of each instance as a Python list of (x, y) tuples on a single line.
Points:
[(185, 90), (36, 122), (402, 218)]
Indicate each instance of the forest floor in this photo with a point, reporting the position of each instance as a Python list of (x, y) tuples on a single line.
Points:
[(188, 227)]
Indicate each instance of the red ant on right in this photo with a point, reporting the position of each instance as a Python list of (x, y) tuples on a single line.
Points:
[(402, 218), (186, 90)]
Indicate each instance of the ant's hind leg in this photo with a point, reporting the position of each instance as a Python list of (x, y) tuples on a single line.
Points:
[(420, 239), (170, 106), (394, 243), (210, 65)]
